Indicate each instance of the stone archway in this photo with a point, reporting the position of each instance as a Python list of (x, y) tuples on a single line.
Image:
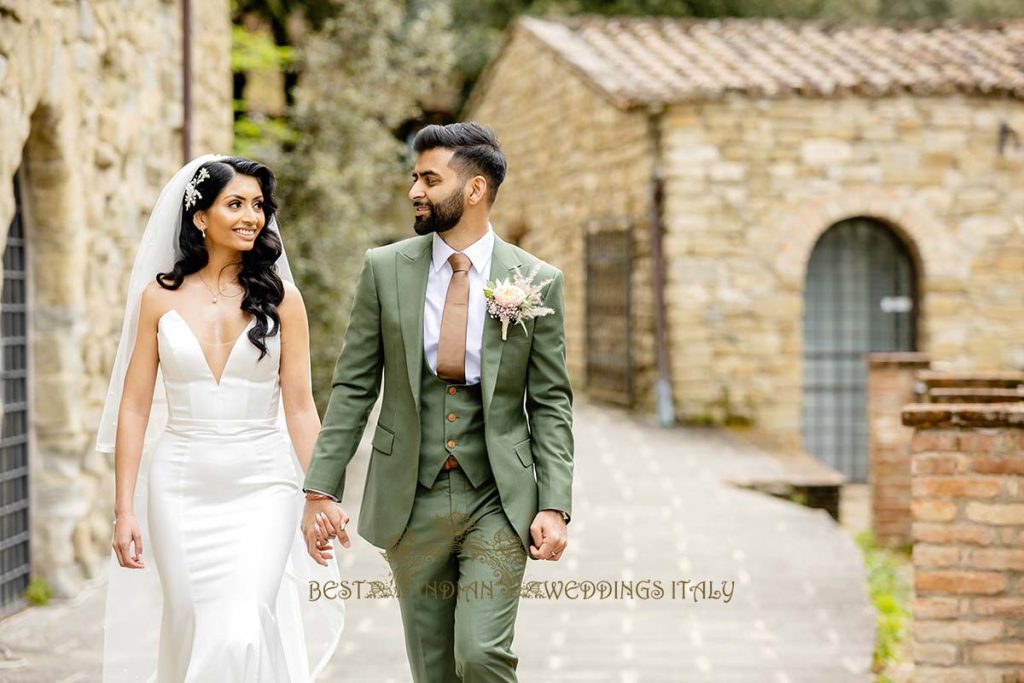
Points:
[(907, 215), (860, 296), (797, 230), (55, 231), (57, 239)]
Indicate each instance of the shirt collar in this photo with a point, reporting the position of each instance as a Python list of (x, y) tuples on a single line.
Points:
[(479, 252)]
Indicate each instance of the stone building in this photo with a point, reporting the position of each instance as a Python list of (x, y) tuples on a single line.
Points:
[(91, 100), (807, 193)]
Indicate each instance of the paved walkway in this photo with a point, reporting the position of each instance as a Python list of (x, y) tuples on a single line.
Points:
[(649, 504)]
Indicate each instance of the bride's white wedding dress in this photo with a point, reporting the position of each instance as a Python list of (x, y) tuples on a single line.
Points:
[(222, 534)]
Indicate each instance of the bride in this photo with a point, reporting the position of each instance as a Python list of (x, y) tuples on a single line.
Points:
[(210, 380)]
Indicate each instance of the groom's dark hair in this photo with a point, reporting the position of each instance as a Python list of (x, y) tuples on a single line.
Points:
[(476, 150)]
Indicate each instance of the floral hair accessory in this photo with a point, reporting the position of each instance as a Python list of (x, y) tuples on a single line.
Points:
[(515, 302), (191, 193)]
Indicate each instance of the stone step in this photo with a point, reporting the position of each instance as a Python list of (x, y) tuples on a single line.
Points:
[(802, 479), (997, 379), (974, 395)]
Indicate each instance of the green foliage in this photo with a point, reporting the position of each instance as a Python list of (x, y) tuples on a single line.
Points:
[(889, 588), (738, 421), (798, 497), (253, 51), (341, 167), (256, 136), (985, 9), (38, 592)]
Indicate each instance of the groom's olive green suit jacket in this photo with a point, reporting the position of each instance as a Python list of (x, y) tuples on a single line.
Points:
[(527, 397)]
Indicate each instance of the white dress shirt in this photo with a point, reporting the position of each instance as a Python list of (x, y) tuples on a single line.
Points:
[(438, 277)]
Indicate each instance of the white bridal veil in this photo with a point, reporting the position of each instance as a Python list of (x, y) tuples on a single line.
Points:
[(134, 598)]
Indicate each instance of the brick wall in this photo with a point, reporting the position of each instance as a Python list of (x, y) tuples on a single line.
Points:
[(968, 533), (891, 384)]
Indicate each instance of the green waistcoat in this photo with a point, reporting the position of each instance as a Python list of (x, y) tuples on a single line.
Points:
[(451, 422)]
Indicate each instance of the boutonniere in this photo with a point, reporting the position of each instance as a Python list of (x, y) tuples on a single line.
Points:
[(515, 302)]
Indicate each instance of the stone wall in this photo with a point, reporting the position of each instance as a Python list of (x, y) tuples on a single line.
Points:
[(752, 185), (968, 508), (891, 385), (90, 97), (577, 163)]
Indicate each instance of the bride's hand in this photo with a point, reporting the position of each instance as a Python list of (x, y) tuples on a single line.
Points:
[(126, 532), (323, 520)]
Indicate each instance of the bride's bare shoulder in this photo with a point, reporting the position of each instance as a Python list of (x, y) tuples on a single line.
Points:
[(291, 308), (292, 297), (155, 301)]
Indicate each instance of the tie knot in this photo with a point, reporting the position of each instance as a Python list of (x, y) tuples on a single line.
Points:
[(460, 262)]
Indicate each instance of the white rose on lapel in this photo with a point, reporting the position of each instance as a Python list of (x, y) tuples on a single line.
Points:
[(515, 302)]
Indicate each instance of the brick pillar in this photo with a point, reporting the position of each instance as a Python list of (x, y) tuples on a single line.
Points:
[(968, 534), (891, 385)]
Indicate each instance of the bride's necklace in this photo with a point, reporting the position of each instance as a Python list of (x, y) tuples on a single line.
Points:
[(214, 295)]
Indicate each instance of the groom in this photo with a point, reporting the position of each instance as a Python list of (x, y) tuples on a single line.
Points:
[(472, 459)]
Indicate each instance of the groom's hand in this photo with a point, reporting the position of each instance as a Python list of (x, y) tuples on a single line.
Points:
[(549, 535), (323, 520)]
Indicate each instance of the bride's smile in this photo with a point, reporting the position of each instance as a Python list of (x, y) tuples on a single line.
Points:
[(235, 219)]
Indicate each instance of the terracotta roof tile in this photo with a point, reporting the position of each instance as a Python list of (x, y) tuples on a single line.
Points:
[(652, 60)]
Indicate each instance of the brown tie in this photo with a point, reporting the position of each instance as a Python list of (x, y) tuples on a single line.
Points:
[(451, 344)]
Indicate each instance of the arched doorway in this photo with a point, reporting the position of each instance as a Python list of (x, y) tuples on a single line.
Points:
[(859, 297)]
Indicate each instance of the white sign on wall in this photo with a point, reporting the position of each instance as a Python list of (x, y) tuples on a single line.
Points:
[(896, 304)]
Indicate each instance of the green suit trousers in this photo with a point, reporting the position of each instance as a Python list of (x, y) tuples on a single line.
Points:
[(458, 570)]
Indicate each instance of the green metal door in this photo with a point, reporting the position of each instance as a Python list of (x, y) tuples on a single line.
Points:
[(609, 305), (859, 297), (14, 494)]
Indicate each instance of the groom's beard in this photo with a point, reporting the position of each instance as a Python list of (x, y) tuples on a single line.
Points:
[(441, 217)]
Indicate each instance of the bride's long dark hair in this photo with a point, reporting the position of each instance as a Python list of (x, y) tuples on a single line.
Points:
[(260, 281)]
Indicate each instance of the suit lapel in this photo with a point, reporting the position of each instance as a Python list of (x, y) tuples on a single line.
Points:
[(412, 267), (503, 261)]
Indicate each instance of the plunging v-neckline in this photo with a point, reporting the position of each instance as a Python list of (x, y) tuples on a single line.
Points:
[(199, 346)]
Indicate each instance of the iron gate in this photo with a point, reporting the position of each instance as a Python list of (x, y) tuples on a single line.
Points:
[(859, 297), (609, 258), (14, 494)]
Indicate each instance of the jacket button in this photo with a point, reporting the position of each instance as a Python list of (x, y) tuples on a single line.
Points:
[(452, 391), (451, 443), (451, 417)]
